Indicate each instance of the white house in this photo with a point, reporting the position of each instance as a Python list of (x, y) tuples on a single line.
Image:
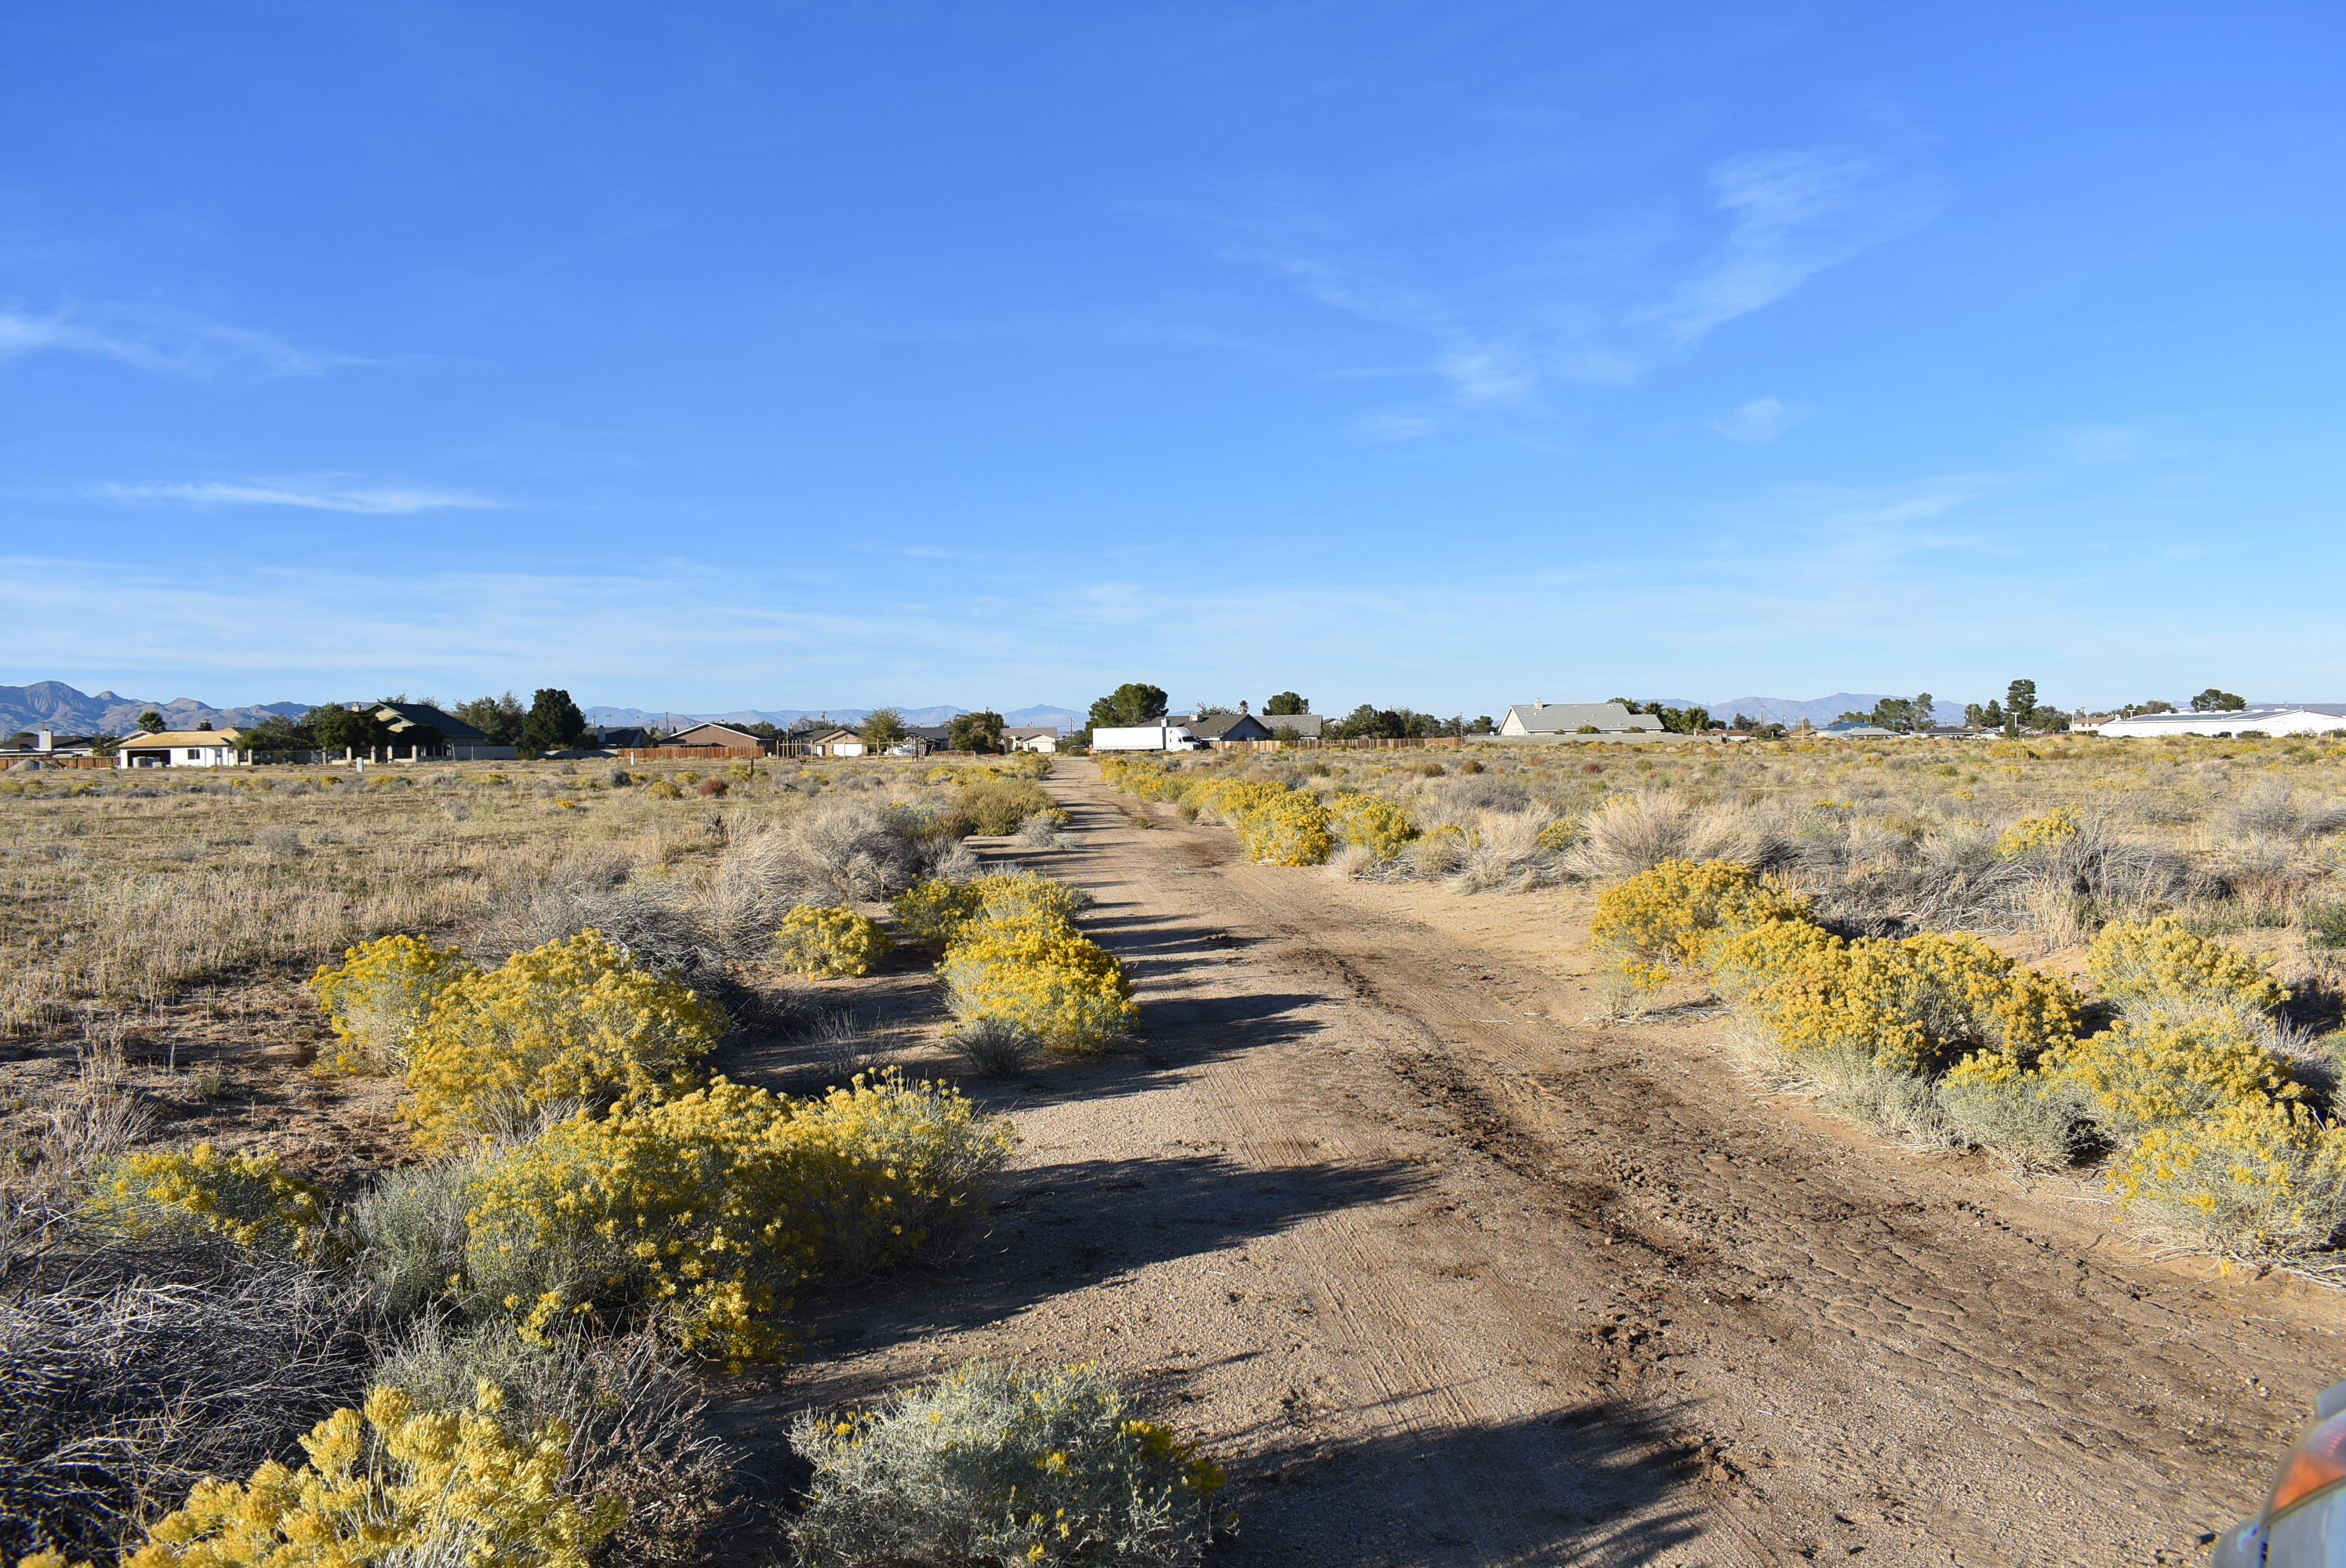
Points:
[(181, 749), (1569, 717), (1030, 737), (2273, 718)]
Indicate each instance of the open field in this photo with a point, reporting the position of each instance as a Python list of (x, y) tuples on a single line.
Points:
[(1451, 1247)]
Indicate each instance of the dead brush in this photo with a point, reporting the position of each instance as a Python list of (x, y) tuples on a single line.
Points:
[(128, 1377)]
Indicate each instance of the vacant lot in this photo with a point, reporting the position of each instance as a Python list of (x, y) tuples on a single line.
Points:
[(1387, 1203)]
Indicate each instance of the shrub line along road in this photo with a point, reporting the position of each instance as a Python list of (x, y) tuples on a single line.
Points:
[(1454, 1283)]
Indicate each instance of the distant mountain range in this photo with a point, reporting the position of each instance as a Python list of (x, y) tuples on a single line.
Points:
[(53, 705), (1818, 710)]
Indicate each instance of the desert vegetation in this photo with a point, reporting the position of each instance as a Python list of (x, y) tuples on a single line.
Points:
[(2114, 958), (487, 1329)]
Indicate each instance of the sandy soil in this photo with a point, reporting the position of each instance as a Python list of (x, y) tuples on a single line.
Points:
[(1455, 1278)]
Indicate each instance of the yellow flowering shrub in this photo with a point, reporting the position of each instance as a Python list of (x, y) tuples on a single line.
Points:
[(2158, 963), (1229, 800), (378, 996), (992, 1464), (1664, 918), (1291, 830), (2036, 832), (1005, 893), (1373, 822), (1914, 1004), (1039, 973), (828, 941), (575, 1021), (395, 1486), (2256, 1177), (703, 1213), (248, 1198), (931, 912), (1142, 775), (663, 789), (2160, 1070)]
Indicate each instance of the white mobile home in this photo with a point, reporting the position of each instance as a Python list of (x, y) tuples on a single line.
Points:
[(1574, 718), (2268, 718)]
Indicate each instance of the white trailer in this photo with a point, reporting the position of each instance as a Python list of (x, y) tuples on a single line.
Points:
[(1146, 737)]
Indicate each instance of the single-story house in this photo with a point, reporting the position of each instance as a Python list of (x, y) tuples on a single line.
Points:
[(714, 735), (45, 743), (2264, 719), (1858, 729), (1030, 737), (1223, 725), (458, 739), (181, 749), (1305, 725), (1569, 717), (622, 737), (835, 743), (920, 739)]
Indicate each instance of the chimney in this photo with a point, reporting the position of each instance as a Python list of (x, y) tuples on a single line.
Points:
[(45, 740)]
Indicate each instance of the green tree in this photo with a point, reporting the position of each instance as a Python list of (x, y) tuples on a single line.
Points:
[(882, 728), (980, 731), (1134, 702), (2214, 701), (498, 719), (339, 729), (553, 723), (2019, 707), (1286, 702), (277, 733), (151, 722)]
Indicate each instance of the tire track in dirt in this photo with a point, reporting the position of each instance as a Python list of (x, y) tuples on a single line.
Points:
[(1908, 1357)]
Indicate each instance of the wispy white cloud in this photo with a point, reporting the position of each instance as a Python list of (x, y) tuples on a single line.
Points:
[(1502, 320), (376, 502), (162, 342), (1791, 214), (1760, 421)]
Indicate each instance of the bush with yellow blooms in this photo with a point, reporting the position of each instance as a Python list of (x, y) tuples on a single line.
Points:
[(378, 996), (573, 1023), (704, 1214), (829, 943)]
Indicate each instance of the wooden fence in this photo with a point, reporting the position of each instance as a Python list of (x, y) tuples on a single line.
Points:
[(46, 760)]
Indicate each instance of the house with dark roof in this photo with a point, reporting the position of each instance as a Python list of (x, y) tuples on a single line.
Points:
[(418, 731), (1306, 726), (1223, 727)]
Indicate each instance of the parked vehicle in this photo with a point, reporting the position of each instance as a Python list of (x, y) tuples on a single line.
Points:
[(2303, 1525), (1146, 737)]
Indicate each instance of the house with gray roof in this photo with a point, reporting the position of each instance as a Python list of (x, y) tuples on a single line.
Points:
[(1571, 718), (1224, 727)]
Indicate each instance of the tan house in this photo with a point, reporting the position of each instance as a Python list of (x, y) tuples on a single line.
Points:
[(715, 735), (181, 749)]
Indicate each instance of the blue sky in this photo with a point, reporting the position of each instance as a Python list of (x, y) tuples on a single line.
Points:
[(1453, 354)]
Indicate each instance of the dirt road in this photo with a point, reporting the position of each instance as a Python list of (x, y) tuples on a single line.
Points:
[(1458, 1281)]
